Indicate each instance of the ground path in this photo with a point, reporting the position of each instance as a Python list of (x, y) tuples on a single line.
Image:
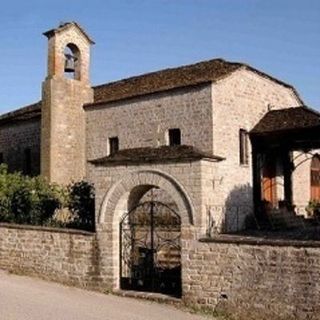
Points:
[(24, 298)]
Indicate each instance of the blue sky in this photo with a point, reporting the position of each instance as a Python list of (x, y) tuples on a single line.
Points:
[(280, 37)]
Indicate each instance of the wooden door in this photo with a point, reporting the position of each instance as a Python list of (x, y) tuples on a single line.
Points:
[(315, 178), (269, 187)]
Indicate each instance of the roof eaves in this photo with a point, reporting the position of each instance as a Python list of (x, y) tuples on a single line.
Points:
[(214, 159), (156, 155), (311, 110), (105, 162), (269, 116), (137, 95), (152, 73), (279, 131), (22, 111)]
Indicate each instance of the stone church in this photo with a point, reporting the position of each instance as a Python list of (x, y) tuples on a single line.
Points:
[(193, 127), (176, 157), (216, 138)]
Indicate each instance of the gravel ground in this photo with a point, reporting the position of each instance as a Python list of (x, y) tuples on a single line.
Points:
[(24, 298)]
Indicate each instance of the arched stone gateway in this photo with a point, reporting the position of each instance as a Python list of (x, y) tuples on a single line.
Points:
[(144, 235), (145, 180)]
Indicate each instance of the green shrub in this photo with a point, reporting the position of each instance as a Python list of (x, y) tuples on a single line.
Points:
[(81, 204), (21, 205), (313, 208), (26, 200), (46, 199)]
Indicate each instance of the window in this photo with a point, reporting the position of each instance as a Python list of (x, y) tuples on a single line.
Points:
[(174, 137), (1, 157), (27, 161), (113, 145), (243, 145)]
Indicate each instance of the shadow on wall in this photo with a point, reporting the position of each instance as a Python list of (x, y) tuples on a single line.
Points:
[(239, 208), (235, 215)]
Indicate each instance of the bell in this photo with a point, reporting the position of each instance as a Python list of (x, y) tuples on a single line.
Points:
[(69, 63)]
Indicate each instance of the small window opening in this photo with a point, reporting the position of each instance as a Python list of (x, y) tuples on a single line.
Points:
[(1, 158), (243, 145), (27, 161), (174, 137), (113, 145)]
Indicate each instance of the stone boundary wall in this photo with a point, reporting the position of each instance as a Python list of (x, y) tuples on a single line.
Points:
[(61, 255), (252, 278), (248, 277)]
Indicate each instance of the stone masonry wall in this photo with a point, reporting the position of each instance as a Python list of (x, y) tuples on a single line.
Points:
[(114, 180), (254, 280), (62, 115), (301, 179), (63, 129), (65, 256), (188, 175), (15, 138), (249, 278), (239, 102), (144, 121)]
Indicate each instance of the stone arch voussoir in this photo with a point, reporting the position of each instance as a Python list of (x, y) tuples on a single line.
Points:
[(154, 178)]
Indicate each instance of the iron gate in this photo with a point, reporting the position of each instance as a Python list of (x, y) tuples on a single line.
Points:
[(150, 258)]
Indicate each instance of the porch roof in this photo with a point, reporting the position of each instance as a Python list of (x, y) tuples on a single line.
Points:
[(295, 128), (156, 155), (287, 119)]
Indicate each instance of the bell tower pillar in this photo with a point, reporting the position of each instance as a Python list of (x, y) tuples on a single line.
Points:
[(64, 92)]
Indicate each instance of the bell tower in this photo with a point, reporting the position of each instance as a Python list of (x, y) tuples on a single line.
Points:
[(64, 92)]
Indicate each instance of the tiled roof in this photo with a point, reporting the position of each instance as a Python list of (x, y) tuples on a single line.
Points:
[(193, 74), (166, 79), (287, 119), (28, 112), (155, 155)]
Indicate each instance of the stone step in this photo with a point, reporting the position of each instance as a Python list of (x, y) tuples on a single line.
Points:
[(287, 221)]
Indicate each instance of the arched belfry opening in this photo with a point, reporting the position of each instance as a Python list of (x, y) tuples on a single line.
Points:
[(72, 62)]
